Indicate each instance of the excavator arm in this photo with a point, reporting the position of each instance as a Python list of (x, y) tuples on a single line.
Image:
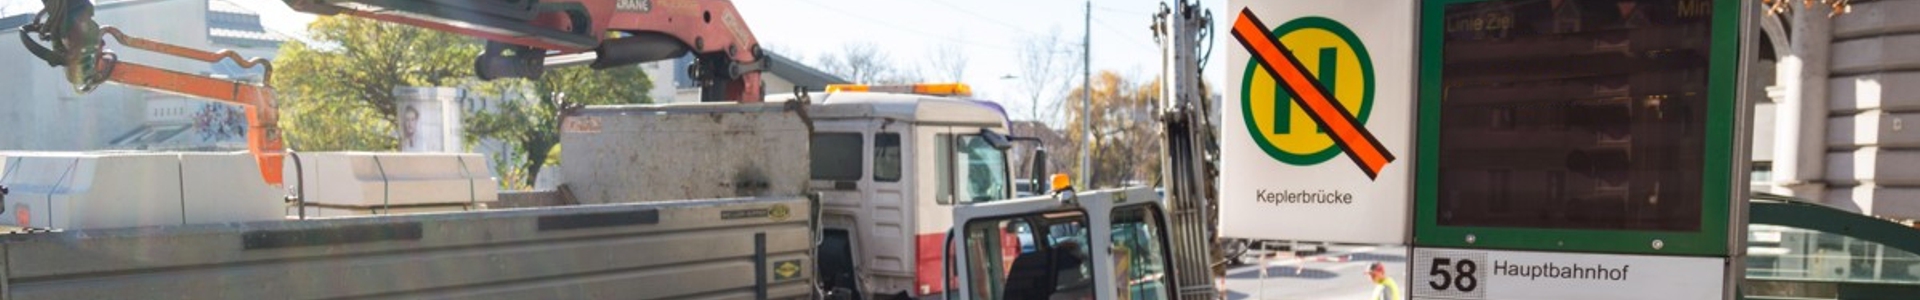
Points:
[(523, 37), (76, 43), (526, 36)]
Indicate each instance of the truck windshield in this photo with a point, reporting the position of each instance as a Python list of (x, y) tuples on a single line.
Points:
[(984, 168)]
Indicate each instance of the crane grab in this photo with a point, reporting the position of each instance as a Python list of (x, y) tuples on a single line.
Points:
[(76, 43)]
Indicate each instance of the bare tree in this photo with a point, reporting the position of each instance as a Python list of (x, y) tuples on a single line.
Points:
[(1047, 69), (947, 63), (1125, 133), (865, 63)]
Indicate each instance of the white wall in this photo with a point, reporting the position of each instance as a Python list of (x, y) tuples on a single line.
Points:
[(662, 74), (40, 111)]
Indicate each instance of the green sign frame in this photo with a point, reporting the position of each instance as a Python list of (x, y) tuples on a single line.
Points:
[(1711, 239)]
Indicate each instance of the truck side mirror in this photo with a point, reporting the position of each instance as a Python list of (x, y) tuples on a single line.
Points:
[(1039, 173), (995, 139)]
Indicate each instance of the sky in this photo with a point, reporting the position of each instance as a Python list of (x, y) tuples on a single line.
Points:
[(988, 32)]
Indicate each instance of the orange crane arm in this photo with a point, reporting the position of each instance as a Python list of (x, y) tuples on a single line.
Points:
[(78, 45), (263, 131)]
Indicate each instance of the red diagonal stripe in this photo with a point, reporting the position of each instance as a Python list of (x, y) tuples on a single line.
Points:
[(1358, 143)]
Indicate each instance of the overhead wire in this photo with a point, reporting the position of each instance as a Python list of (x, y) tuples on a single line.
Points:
[(990, 19), (1132, 38), (1138, 39), (922, 34), (884, 24), (1120, 10), (1103, 23), (982, 17)]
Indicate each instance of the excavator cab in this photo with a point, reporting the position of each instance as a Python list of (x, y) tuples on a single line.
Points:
[(1108, 244)]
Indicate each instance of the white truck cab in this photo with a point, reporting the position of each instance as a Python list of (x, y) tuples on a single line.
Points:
[(889, 168)]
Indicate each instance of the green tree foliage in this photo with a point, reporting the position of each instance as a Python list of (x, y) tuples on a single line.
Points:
[(530, 118), (337, 92)]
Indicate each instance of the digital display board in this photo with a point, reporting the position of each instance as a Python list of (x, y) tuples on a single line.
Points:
[(1574, 114), (1548, 124)]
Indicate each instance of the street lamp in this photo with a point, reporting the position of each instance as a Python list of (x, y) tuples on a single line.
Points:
[(1086, 102)]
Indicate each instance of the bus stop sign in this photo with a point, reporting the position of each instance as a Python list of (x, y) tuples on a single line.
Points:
[(1318, 121)]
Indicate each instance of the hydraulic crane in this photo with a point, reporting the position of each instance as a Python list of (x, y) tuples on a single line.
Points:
[(525, 36), (1189, 149), (78, 44)]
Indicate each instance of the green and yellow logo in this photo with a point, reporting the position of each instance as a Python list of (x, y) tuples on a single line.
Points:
[(779, 212), (1338, 60), (786, 270)]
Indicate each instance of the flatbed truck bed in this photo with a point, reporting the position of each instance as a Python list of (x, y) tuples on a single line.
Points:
[(656, 250)]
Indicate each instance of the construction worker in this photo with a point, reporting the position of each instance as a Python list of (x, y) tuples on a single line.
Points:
[(1384, 288)]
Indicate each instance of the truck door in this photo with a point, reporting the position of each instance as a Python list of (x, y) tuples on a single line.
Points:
[(862, 172), (1140, 256), (838, 158), (1098, 245), (932, 164), (1058, 266), (891, 211)]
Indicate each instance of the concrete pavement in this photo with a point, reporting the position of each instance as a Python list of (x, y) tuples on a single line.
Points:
[(1325, 276)]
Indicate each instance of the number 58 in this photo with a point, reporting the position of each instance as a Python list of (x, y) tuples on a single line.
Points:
[(1461, 278)]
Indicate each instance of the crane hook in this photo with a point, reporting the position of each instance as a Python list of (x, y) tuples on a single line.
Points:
[(75, 39)]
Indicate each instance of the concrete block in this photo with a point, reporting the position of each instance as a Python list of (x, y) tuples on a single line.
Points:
[(1874, 129), (643, 153), (90, 190), (226, 187), (365, 179)]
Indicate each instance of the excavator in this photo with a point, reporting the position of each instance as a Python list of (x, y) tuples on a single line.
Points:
[(524, 37)]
